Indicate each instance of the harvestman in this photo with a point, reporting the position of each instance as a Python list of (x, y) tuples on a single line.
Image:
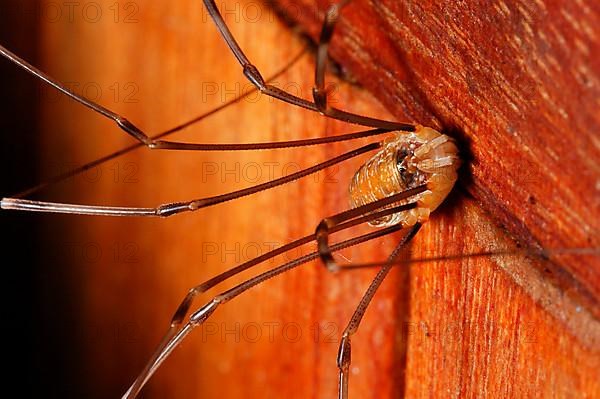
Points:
[(409, 176)]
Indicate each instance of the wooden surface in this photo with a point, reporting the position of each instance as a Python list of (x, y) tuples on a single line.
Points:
[(466, 328), (517, 83)]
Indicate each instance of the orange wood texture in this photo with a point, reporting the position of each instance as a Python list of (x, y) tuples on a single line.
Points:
[(479, 327), (517, 82)]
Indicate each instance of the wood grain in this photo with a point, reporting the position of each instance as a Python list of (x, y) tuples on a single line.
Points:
[(517, 82), (477, 327)]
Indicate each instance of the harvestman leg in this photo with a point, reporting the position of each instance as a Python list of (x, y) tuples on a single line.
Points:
[(364, 215), (319, 91), (178, 330), (330, 224), (144, 139), (170, 209), (173, 208), (326, 227), (250, 71), (345, 349), (320, 105), (99, 161)]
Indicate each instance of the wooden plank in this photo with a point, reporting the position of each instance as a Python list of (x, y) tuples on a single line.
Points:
[(517, 84), (477, 327)]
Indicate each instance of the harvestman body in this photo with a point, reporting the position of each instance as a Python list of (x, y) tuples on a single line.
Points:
[(408, 178)]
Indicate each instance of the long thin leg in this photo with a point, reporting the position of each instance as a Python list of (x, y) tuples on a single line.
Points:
[(175, 336), (123, 123), (319, 91), (144, 139), (176, 333), (171, 145), (324, 228), (184, 307), (166, 210), (345, 350), (537, 253), (253, 74), (99, 161)]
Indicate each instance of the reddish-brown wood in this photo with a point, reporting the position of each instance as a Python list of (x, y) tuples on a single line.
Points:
[(481, 327), (517, 83)]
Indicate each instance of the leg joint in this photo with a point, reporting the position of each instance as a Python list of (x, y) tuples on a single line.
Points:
[(253, 74)]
